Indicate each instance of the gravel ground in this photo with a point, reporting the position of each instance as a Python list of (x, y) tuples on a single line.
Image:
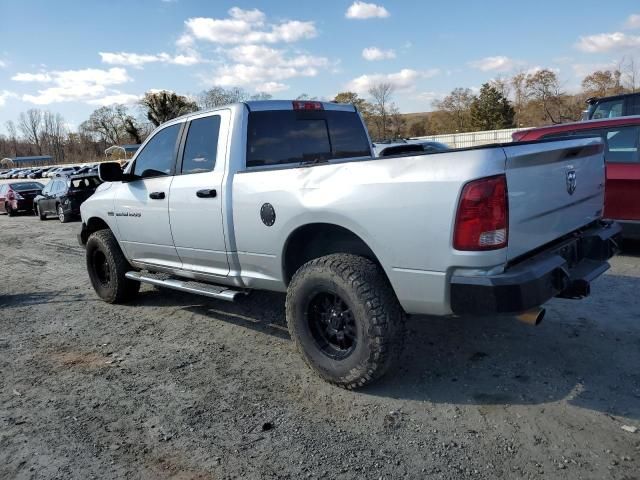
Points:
[(179, 386)]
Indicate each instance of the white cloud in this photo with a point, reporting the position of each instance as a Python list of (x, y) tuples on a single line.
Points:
[(581, 70), (271, 87), (245, 26), (138, 60), (498, 63), (251, 16), (117, 98), (4, 94), (3, 64), (605, 42), (361, 10), (31, 77), (633, 21), (405, 79), (261, 66), (73, 85), (185, 41), (375, 53)]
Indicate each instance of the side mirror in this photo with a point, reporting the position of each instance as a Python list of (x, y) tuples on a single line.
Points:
[(110, 172)]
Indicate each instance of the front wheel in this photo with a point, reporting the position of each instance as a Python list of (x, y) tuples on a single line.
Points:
[(107, 266), (345, 319), (39, 213)]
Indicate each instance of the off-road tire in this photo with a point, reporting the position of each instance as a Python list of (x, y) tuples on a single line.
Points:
[(379, 318), (103, 248)]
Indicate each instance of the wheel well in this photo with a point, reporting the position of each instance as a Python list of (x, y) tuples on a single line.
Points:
[(317, 240), (93, 225)]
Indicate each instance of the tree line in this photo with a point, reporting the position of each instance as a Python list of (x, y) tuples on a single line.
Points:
[(526, 99)]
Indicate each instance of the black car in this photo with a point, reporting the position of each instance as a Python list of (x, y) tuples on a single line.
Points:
[(37, 173), (611, 107), (63, 196)]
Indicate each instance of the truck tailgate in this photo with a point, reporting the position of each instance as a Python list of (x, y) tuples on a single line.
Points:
[(555, 187)]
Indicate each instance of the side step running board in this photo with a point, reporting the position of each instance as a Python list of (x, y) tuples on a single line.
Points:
[(199, 288)]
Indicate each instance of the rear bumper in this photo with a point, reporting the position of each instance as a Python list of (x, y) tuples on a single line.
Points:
[(23, 205), (563, 270)]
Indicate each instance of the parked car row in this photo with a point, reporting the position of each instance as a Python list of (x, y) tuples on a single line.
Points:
[(61, 197), (49, 172)]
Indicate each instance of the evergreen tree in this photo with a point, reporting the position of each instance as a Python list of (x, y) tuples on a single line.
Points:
[(491, 110)]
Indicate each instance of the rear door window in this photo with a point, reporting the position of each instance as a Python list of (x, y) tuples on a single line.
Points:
[(278, 137), (201, 147)]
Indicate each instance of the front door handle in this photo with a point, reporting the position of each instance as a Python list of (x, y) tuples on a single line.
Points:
[(206, 193), (156, 195)]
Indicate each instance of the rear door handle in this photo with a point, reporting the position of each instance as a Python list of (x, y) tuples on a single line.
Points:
[(156, 195), (206, 193)]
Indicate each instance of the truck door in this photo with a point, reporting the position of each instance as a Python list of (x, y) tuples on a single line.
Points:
[(622, 193), (141, 206), (196, 200)]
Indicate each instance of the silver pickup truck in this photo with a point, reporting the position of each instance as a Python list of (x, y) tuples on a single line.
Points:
[(286, 196)]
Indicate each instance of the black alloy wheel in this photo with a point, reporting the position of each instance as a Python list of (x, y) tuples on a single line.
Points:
[(332, 325)]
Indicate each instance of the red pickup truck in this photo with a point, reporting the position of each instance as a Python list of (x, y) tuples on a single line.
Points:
[(621, 136)]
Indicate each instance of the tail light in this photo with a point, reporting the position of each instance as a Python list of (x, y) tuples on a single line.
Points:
[(303, 105), (13, 195), (482, 221)]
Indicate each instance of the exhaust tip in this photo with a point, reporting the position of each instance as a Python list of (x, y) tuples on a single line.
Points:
[(532, 317)]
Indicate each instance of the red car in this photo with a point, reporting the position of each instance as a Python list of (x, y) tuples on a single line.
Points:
[(621, 136), (18, 196)]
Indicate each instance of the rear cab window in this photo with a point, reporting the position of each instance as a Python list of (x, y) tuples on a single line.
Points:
[(281, 137), (608, 109)]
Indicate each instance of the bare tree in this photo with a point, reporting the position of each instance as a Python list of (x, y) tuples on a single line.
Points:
[(382, 93), (457, 106), (53, 134), (544, 87), (13, 136), (502, 85), (520, 95), (602, 83), (30, 124), (217, 96), (630, 73)]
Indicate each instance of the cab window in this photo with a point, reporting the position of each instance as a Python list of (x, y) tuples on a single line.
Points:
[(608, 109), (158, 156), (201, 147)]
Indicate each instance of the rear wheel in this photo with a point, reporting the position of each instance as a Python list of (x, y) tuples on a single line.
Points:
[(345, 319), (107, 267), (63, 217)]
